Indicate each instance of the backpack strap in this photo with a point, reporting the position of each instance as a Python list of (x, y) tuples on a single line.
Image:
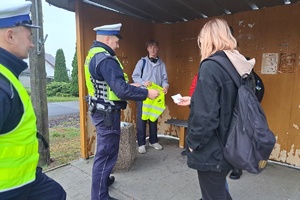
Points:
[(228, 67), (144, 63), (246, 79), (231, 71)]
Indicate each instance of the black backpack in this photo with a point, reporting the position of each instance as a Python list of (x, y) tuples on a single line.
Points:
[(259, 87), (250, 141)]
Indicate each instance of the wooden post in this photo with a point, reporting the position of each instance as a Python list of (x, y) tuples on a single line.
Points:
[(182, 134), (38, 80), (81, 82)]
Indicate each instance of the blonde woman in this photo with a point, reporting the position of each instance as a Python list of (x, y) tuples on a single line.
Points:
[(211, 109)]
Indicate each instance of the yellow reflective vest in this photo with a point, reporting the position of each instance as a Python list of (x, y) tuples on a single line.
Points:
[(152, 109), (19, 148), (111, 96)]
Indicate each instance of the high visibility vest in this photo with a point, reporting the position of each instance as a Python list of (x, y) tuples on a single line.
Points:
[(107, 93), (19, 148), (152, 109)]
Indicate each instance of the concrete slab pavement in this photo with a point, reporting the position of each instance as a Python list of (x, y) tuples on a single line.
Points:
[(164, 175)]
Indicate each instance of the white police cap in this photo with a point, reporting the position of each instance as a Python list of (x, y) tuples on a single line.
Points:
[(112, 29), (15, 14)]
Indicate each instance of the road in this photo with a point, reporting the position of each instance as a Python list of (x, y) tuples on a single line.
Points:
[(62, 108)]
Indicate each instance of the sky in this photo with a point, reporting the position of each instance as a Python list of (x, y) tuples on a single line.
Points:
[(59, 24)]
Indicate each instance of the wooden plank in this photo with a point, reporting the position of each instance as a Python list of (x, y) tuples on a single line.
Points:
[(177, 122)]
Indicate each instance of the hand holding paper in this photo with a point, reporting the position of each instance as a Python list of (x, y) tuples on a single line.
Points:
[(184, 101), (176, 98)]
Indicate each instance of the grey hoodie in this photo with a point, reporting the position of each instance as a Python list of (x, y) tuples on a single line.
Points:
[(155, 72)]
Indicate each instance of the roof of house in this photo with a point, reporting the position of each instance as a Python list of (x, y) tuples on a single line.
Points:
[(50, 59), (171, 11)]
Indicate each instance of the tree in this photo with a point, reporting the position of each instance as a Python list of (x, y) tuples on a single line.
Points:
[(74, 81), (60, 70)]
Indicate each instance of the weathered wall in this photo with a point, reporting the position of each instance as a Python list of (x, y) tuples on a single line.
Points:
[(276, 30), (270, 30)]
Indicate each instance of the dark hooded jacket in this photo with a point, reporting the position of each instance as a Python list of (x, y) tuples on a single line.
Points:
[(212, 107)]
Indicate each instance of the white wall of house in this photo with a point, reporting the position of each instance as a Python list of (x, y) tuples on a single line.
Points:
[(49, 70), (49, 66), (25, 80)]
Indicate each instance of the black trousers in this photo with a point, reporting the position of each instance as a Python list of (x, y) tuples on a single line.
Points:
[(213, 185), (141, 127), (43, 188)]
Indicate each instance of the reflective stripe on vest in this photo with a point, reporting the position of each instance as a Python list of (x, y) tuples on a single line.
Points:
[(103, 90), (19, 148), (152, 109)]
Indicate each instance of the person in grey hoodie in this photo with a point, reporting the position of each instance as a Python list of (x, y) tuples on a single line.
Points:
[(149, 69), (212, 107)]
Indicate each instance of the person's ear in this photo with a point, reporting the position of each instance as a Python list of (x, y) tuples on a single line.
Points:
[(106, 39), (9, 35)]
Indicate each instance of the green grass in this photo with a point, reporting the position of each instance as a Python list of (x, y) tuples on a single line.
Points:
[(63, 132), (62, 99), (64, 145), (64, 138)]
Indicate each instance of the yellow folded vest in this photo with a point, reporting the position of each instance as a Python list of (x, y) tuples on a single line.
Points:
[(152, 109)]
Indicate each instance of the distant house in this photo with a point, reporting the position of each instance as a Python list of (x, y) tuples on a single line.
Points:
[(49, 65), (25, 77)]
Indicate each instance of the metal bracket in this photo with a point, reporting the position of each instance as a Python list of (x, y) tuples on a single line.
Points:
[(41, 43)]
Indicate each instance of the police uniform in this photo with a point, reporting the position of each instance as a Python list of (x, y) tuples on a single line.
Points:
[(20, 178), (108, 90)]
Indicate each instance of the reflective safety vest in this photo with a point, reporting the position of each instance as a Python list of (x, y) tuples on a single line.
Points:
[(100, 89), (19, 148), (152, 109)]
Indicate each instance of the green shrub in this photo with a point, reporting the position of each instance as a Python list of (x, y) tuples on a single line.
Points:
[(58, 89)]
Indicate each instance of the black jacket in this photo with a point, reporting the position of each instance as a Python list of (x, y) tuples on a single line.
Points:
[(11, 107), (211, 110)]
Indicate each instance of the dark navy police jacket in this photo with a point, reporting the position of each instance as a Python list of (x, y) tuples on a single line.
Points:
[(109, 70), (11, 107)]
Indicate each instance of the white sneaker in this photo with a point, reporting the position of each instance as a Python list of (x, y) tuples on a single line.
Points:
[(142, 149), (156, 146)]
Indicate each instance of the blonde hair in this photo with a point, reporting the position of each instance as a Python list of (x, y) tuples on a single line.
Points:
[(215, 36)]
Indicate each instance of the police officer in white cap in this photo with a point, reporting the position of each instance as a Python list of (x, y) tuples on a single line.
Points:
[(108, 90), (20, 178)]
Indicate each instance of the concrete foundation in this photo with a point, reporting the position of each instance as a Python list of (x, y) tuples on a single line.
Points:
[(127, 151)]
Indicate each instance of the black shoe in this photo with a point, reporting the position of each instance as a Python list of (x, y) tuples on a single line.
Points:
[(183, 153), (110, 181), (111, 198), (236, 174)]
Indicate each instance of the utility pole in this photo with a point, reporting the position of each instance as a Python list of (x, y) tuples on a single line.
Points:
[(38, 80)]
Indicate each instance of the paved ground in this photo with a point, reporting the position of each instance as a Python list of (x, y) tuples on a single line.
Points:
[(164, 175), (63, 108)]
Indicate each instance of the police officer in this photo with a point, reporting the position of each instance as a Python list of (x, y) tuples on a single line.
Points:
[(20, 178), (108, 89)]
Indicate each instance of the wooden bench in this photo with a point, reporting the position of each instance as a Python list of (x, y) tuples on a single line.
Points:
[(182, 124)]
